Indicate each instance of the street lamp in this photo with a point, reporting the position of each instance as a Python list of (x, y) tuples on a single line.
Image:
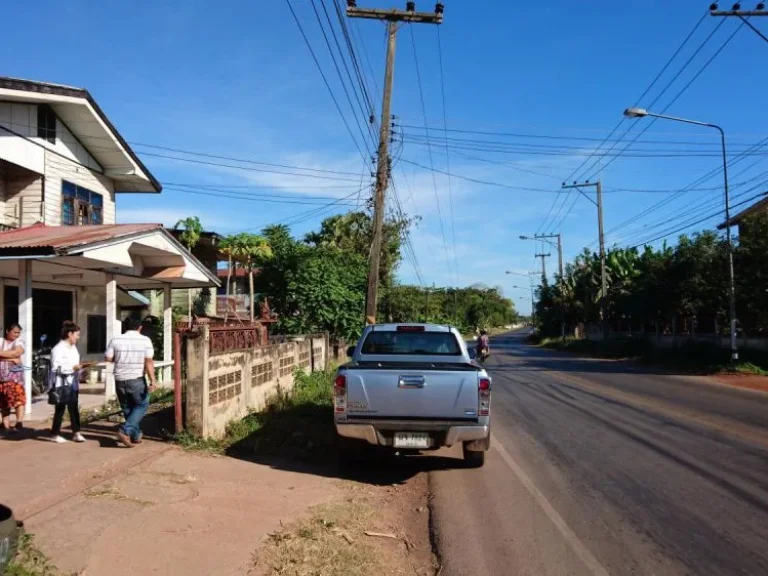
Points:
[(642, 113)]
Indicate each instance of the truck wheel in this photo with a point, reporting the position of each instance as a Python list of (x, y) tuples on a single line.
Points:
[(472, 458)]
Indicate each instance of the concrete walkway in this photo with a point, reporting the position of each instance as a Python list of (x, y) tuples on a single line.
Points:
[(97, 508)]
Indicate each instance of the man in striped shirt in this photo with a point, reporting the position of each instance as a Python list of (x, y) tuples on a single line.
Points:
[(132, 354)]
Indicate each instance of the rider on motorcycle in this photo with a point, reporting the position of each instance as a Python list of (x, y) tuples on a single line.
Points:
[(483, 345)]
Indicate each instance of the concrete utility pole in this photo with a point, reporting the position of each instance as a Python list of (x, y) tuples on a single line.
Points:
[(603, 278), (546, 238), (393, 17), (543, 265), (743, 15)]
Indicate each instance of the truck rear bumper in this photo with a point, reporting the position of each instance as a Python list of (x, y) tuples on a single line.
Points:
[(380, 434)]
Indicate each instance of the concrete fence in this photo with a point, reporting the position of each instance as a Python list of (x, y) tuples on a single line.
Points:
[(669, 341), (226, 383)]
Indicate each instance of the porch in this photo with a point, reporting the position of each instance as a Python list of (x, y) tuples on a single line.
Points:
[(95, 269)]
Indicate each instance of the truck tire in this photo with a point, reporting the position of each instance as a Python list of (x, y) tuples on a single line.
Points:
[(473, 458), (9, 537)]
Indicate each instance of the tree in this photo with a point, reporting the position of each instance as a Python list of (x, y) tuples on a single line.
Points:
[(190, 236), (251, 250), (352, 232)]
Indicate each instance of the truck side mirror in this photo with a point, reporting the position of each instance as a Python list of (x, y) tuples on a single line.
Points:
[(350, 351), (472, 353)]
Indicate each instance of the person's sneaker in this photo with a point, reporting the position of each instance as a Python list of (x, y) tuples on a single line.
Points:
[(58, 439), (138, 438), (19, 427), (124, 439), (77, 437)]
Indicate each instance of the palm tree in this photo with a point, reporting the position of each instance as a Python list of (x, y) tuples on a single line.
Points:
[(192, 230)]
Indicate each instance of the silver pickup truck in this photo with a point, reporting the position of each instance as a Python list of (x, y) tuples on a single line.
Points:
[(413, 387)]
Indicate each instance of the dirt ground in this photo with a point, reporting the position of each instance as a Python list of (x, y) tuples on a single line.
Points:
[(382, 530), (749, 381), (98, 508)]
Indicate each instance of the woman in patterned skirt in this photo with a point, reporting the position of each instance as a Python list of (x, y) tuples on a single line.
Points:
[(12, 394)]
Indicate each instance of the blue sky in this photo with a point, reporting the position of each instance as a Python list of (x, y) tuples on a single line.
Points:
[(236, 79)]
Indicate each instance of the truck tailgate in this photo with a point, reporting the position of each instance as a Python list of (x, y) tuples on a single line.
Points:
[(406, 393)]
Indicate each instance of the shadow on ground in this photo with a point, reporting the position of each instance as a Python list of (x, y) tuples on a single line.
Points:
[(302, 439)]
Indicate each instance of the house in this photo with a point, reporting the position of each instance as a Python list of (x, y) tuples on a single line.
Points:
[(62, 254), (740, 218)]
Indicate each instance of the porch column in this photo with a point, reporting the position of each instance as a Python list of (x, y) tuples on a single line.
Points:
[(167, 333), (25, 319), (2, 303), (114, 328)]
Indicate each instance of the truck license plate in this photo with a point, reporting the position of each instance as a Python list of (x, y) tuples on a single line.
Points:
[(411, 440)]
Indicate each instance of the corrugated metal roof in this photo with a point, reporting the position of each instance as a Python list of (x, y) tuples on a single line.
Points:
[(56, 238)]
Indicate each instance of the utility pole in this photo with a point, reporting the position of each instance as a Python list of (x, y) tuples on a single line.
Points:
[(393, 17), (743, 15), (543, 266), (603, 278), (546, 238)]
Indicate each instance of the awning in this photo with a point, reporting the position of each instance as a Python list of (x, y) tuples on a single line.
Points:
[(140, 256)]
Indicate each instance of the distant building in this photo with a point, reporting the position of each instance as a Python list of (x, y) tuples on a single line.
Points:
[(740, 218)]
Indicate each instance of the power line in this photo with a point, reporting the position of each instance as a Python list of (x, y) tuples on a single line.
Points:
[(690, 224), (447, 153), (338, 71), (658, 76), (621, 120), (247, 168), (325, 80), (679, 94), (429, 147)]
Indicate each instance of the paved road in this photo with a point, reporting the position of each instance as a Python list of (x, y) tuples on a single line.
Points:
[(599, 468)]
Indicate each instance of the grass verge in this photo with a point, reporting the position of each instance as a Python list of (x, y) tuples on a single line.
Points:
[(699, 357), (30, 560), (295, 423), (329, 542)]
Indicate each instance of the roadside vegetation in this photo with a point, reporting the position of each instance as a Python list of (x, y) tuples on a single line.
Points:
[(681, 289), (30, 560), (697, 357), (296, 423)]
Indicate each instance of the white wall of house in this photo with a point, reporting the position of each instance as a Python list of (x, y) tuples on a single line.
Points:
[(28, 198), (57, 170)]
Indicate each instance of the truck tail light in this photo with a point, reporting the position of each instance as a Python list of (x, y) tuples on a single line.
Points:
[(484, 396), (340, 394)]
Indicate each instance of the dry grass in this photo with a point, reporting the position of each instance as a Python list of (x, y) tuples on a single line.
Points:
[(330, 542), (108, 492)]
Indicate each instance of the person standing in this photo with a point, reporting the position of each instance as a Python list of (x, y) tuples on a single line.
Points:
[(13, 397), (132, 354), (66, 366)]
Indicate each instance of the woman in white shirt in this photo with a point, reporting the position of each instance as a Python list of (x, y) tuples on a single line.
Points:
[(66, 365)]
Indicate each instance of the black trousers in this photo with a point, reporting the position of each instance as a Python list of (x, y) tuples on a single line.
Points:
[(73, 408)]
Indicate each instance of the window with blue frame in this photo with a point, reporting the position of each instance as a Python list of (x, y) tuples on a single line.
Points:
[(80, 206)]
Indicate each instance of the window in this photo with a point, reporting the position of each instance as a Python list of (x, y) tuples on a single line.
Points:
[(97, 334), (80, 206), (46, 123), (411, 343)]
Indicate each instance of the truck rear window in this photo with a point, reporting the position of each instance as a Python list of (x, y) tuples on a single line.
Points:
[(412, 343)]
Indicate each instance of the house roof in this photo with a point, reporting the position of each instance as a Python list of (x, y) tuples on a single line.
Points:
[(140, 256), (88, 123), (40, 238), (759, 206)]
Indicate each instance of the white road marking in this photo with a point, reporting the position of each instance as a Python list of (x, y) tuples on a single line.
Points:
[(576, 544)]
